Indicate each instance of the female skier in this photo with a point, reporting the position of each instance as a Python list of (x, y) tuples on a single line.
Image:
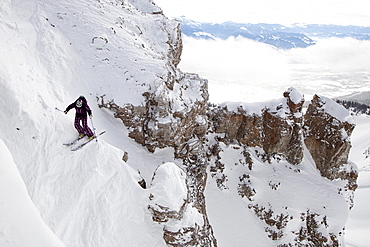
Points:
[(82, 109)]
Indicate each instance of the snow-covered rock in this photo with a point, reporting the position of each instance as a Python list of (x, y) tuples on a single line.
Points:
[(253, 149), (274, 126), (169, 193), (327, 130), (170, 205)]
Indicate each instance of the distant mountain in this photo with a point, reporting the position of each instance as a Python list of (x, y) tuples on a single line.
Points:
[(358, 102), (326, 31), (277, 35), (359, 97)]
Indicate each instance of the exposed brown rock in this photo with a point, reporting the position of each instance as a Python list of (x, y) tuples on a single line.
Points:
[(237, 126), (327, 139), (310, 235), (175, 44), (158, 124), (195, 163), (276, 133), (244, 187)]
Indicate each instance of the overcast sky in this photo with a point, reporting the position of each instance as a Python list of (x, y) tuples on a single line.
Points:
[(341, 12)]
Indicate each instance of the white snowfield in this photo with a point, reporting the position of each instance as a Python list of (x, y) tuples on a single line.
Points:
[(20, 221), (54, 51)]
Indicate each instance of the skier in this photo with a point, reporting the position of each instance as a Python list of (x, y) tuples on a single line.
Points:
[(82, 109)]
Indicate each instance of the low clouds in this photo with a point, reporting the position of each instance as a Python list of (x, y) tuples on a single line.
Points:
[(334, 54), (234, 58), (239, 69)]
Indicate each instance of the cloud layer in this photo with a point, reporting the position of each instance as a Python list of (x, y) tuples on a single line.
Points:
[(244, 70)]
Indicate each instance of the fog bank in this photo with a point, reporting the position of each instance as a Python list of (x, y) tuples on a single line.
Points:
[(239, 69)]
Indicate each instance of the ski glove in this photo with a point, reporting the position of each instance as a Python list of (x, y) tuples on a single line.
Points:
[(65, 112), (91, 116)]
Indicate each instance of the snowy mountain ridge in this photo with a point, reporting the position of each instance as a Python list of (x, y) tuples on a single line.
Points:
[(178, 171), (277, 35)]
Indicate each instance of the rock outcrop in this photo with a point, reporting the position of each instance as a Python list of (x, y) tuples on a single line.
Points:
[(170, 117), (327, 131), (327, 136), (279, 131), (174, 115), (275, 128)]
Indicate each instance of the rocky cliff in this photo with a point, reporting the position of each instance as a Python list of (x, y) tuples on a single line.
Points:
[(276, 128), (327, 137), (174, 115), (275, 131)]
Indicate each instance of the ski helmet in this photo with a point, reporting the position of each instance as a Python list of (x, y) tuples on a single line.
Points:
[(82, 98), (79, 103)]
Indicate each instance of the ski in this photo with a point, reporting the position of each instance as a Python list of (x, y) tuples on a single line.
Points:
[(83, 144), (73, 142)]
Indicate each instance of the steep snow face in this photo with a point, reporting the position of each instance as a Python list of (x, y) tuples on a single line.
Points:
[(358, 225), (53, 51), (123, 46), (269, 204), (20, 224)]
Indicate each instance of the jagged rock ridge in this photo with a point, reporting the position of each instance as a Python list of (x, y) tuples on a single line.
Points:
[(176, 114), (280, 129), (282, 136)]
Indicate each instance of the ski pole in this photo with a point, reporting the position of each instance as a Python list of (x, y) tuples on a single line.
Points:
[(92, 124), (56, 108)]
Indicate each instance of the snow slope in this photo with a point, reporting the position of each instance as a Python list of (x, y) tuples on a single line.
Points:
[(358, 226), (17, 210), (88, 198)]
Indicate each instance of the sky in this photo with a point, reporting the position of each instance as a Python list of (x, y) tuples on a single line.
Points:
[(342, 12)]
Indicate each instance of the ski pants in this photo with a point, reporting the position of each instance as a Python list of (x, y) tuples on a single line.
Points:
[(84, 128)]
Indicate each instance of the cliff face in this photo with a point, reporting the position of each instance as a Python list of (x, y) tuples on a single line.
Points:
[(327, 137), (278, 133), (273, 132), (174, 115), (170, 117), (275, 128), (174, 112)]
